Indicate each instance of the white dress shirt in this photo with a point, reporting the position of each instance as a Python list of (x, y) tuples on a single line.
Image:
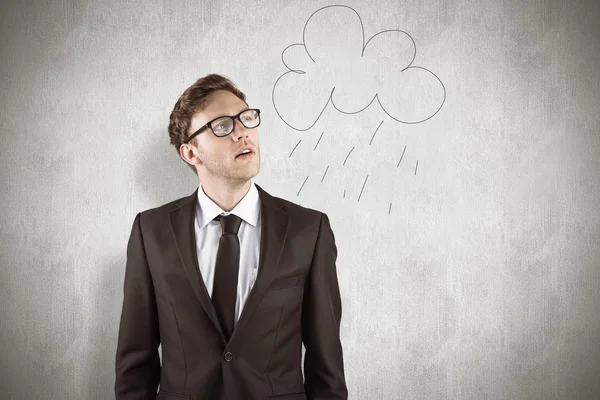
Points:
[(208, 234)]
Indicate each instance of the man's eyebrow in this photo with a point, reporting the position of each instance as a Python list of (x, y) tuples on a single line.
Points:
[(231, 115)]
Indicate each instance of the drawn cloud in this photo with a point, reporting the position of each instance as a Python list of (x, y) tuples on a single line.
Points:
[(334, 64)]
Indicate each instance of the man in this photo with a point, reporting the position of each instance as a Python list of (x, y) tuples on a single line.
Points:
[(229, 280)]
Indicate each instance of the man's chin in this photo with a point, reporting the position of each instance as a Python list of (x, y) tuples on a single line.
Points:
[(246, 175)]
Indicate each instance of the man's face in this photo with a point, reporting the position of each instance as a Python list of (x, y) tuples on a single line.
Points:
[(218, 154)]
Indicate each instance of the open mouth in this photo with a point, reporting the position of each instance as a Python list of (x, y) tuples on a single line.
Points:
[(245, 155)]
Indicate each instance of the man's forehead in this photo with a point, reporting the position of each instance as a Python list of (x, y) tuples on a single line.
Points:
[(223, 103)]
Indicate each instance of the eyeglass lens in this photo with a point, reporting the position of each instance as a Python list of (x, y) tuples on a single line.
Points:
[(224, 126)]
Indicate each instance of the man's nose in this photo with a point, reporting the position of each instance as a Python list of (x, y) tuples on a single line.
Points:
[(239, 129)]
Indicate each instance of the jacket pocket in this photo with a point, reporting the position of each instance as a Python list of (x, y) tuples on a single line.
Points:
[(164, 395), (289, 396), (283, 283)]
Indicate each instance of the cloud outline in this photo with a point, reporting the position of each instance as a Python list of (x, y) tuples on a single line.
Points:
[(331, 93)]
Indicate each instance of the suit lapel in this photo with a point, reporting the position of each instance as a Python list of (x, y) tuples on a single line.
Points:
[(182, 217), (274, 231), (274, 224)]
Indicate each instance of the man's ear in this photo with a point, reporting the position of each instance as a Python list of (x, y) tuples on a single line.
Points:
[(184, 152), (190, 152)]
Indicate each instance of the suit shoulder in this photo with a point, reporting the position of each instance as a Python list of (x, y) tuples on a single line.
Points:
[(299, 210), (158, 212)]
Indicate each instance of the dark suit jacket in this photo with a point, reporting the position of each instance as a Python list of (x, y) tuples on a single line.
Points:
[(294, 300)]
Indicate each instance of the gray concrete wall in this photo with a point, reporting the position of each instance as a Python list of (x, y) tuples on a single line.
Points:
[(464, 199)]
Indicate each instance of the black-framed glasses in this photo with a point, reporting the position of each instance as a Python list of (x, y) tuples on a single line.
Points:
[(223, 126)]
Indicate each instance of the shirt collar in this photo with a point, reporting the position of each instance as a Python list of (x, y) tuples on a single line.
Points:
[(247, 209)]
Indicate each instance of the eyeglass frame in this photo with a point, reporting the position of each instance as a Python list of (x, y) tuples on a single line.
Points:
[(233, 117)]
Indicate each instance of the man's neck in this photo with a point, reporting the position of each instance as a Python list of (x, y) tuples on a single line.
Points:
[(226, 195)]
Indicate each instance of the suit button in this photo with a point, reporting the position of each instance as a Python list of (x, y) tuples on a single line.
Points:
[(228, 356)]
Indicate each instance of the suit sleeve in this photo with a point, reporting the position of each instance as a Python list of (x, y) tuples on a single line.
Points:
[(137, 360), (321, 317)]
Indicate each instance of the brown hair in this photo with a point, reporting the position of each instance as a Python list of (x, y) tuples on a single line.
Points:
[(193, 100)]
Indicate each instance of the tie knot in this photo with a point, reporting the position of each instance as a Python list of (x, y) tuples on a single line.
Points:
[(229, 223)]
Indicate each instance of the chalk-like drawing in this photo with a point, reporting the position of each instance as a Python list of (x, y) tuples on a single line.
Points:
[(294, 148), (333, 64), (373, 137), (348, 156), (400, 157), (361, 190), (297, 194), (324, 173), (318, 141)]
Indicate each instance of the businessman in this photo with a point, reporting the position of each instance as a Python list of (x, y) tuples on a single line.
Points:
[(230, 280)]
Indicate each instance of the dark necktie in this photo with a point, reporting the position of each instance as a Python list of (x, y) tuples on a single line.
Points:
[(226, 271)]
